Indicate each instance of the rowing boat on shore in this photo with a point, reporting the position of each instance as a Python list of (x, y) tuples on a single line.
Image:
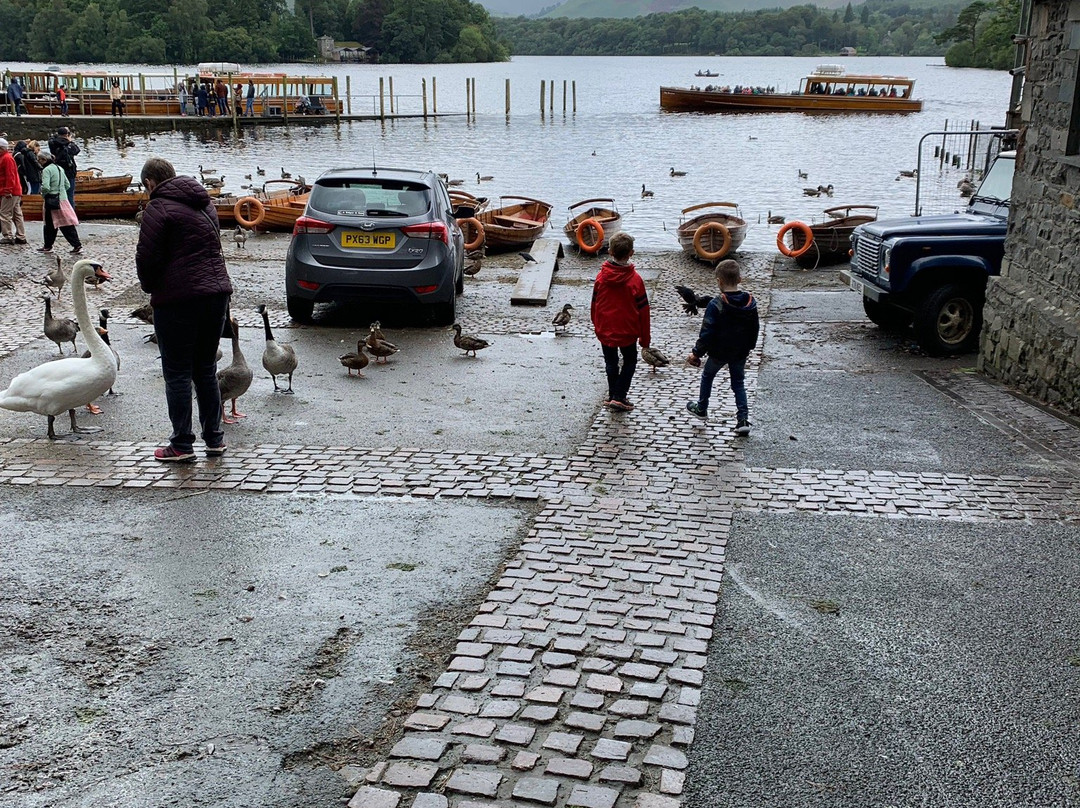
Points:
[(828, 242), (828, 89), (92, 205), (592, 223), (516, 223), (265, 209), (714, 232)]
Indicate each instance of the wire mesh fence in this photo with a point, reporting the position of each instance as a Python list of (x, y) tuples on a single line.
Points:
[(952, 163)]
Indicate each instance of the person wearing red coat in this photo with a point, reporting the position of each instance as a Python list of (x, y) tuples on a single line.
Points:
[(12, 230), (620, 316)]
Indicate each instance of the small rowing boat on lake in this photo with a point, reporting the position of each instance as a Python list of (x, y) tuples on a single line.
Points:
[(516, 223), (828, 89), (714, 232), (592, 224), (92, 181), (92, 205)]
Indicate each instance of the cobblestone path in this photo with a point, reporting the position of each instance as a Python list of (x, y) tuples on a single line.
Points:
[(578, 680)]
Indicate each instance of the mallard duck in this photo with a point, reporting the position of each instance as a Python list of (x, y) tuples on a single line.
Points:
[(59, 329), (675, 173), (54, 278), (477, 255), (654, 357), (467, 342), (234, 380), (240, 236), (562, 319), (145, 312), (375, 330), (645, 193), (380, 349), (278, 359), (473, 267), (65, 384), (355, 361)]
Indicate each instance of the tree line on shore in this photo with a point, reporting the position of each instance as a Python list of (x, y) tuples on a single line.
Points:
[(419, 31)]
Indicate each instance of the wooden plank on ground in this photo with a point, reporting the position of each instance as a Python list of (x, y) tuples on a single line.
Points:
[(534, 281)]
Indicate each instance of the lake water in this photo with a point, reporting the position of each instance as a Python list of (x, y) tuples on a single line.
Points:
[(751, 159)]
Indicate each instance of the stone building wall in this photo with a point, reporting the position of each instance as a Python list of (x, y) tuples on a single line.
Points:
[(1031, 333)]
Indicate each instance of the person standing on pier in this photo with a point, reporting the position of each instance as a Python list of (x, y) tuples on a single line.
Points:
[(202, 98), (15, 94), (222, 90), (12, 230), (181, 96), (61, 96), (117, 96), (250, 111)]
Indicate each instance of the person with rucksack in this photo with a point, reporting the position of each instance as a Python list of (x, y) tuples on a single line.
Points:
[(63, 151), (26, 159)]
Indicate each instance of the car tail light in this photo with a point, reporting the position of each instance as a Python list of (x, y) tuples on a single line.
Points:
[(310, 286), (310, 226), (436, 230), (424, 290)]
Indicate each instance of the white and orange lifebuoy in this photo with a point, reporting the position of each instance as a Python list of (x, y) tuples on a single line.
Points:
[(240, 212), (477, 227), (808, 238), (705, 231), (590, 248)]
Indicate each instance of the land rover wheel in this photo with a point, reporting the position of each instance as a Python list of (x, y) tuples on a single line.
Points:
[(947, 322), (891, 318), (300, 309)]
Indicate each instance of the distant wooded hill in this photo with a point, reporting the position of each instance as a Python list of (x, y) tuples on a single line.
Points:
[(621, 9), (878, 27)]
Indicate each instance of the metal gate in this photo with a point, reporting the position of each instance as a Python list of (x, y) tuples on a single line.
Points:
[(952, 162)]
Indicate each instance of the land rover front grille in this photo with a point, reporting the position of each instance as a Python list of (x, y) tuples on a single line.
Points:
[(867, 251)]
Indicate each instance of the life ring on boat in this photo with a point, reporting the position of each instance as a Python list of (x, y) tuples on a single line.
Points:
[(704, 232), (579, 235), (477, 227), (808, 238), (243, 205)]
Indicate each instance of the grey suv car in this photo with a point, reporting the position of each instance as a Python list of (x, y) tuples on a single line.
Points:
[(376, 234)]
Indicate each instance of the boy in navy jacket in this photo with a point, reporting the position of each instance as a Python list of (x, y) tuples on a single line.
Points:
[(729, 332)]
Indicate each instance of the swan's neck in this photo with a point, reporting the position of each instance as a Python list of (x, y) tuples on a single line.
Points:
[(97, 346)]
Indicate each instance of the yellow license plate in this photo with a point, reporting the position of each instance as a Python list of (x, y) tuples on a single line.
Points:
[(352, 239)]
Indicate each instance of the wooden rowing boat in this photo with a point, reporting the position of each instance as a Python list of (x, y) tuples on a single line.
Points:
[(92, 181), (603, 211), (711, 240), (92, 205), (516, 223), (832, 239), (464, 204), (282, 207)]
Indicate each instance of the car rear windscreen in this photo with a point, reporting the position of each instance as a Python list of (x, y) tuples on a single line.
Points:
[(370, 198)]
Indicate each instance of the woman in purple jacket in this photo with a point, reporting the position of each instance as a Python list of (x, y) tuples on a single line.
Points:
[(180, 264)]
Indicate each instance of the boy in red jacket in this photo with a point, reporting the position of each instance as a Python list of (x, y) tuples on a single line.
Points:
[(620, 315)]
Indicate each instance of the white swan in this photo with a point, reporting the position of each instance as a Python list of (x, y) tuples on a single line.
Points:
[(65, 384)]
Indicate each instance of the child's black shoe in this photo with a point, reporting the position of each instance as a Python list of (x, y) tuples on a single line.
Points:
[(696, 409)]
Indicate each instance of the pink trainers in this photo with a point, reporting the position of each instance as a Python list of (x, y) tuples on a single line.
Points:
[(167, 454)]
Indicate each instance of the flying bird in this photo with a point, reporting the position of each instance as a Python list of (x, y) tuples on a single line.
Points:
[(693, 301)]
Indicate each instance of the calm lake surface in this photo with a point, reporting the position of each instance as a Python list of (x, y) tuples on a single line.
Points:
[(751, 159)]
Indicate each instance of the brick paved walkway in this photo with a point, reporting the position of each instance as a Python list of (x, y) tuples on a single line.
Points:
[(577, 682)]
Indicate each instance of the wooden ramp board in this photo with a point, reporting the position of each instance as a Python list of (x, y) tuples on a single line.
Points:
[(534, 281)]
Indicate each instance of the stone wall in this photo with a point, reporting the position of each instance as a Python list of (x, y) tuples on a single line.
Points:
[(1031, 335)]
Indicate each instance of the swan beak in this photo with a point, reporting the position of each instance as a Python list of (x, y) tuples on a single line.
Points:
[(101, 274)]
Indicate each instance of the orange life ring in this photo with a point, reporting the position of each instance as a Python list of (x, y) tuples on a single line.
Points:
[(808, 236), (478, 228), (579, 235), (244, 204), (702, 232)]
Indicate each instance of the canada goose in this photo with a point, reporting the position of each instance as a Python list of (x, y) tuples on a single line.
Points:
[(247, 176), (207, 172), (473, 267), (562, 318), (826, 189), (260, 171), (355, 361), (485, 178), (654, 357), (802, 174), (103, 332), (68, 383), (775, 219), (455, 183), (234, 380), (60, 329), (285, 175), (54, 278), (904, 172), (467, 342), (240, 236), (278, 359), (812, 191), (214, 182), (675, 173), (645, 193)]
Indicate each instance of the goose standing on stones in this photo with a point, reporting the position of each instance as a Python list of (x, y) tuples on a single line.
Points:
[(54, 278), (65, 384), (240, 236), (234, 380), (278, 359), (60, 329)]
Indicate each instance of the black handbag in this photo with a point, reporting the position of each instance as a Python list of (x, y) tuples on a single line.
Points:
[(52, 201)]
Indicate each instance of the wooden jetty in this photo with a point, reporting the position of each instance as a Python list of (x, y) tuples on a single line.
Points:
[(534, 280)]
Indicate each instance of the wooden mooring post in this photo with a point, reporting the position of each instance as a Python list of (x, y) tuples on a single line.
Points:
[(564, 96), (474, 97), (391, 95), (348, 95), (468, 86), (508, 98), (337, 101), (551, 97), (382, 99), (543, 88), (434, 97), (142, 95), (423, 93), (573, 86)]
